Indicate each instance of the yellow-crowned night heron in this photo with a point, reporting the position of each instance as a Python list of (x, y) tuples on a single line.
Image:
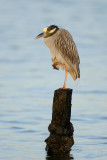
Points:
[(63, 50)]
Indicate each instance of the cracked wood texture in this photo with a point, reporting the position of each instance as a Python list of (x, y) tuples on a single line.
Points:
[(61, 129)]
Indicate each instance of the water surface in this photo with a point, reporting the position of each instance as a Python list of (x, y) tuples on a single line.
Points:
[(27, 80)]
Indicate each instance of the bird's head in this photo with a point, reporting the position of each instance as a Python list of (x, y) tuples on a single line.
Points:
[(48, 31)]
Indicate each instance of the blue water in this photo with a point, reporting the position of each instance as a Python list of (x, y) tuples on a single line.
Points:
[(27, 80)]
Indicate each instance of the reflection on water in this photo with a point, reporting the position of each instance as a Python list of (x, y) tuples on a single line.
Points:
[(27, 80), (59, 157)]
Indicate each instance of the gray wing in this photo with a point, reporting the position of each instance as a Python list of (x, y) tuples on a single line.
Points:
[(67, 48)]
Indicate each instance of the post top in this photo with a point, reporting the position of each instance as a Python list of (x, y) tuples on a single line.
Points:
[(64, 90)]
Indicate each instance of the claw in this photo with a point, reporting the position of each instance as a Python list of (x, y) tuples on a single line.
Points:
[(55, 67)]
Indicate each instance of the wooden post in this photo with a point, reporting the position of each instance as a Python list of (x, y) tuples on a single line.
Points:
[(61, 129)]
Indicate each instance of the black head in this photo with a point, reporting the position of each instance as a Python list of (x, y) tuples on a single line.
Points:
[(52, 28), (48, 31)]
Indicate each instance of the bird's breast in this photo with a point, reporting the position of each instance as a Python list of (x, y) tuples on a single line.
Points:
[(55, 54), (49, 42)]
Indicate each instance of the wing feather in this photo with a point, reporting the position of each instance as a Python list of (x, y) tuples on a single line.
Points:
[(67, 48)]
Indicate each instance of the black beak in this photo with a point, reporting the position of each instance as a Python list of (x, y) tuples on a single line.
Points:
[(39, 36)]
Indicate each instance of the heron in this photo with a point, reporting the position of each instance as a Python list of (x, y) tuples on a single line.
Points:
[(63, 50)]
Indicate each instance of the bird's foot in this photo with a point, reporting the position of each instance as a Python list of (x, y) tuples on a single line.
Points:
[(63, 88), (55, 66)]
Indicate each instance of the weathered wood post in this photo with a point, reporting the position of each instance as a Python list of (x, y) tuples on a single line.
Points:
[(61, 129)]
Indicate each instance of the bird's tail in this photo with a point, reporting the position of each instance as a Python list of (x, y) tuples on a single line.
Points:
[(74, 74)]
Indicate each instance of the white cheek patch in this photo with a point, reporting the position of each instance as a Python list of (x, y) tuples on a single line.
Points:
[(52, 30), (45, 29)]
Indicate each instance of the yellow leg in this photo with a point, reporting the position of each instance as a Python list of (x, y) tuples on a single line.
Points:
[(66, 73)]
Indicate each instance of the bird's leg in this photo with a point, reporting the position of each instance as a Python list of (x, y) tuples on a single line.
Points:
[(66, 73)]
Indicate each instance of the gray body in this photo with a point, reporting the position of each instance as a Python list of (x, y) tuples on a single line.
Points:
[(63, 50)]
